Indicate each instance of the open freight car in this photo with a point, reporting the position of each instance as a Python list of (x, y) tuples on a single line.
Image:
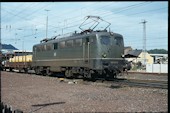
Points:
[(20, 60)]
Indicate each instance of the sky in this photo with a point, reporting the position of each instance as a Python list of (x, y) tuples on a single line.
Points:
[(24, 24)]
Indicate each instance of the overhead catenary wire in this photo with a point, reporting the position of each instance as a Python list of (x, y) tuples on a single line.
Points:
[(79, 24), (124, 7), (99, 8), (30, 14), (113, 11), (107, 5), (131, 14), (75, 25)]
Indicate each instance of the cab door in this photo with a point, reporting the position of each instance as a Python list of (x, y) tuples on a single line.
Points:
[(86, 50)]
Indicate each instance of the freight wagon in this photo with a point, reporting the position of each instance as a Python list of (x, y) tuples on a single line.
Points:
[(21, 61)]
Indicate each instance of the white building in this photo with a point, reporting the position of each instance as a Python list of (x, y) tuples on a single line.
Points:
[(160, 58)]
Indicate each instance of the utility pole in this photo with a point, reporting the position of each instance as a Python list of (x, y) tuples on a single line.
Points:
[(144, 41), (65, 26), (47, 23), (22, 37)]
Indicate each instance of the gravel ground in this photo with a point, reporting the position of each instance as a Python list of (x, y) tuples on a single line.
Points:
[(38, 94)]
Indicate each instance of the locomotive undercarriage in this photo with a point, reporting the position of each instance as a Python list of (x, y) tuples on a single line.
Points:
[(81, 72), (92, 74)]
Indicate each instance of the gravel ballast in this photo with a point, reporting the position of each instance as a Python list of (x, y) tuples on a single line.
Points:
[(37, 94)]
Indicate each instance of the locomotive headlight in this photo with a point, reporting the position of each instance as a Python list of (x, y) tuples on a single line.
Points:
[(104, 55), (122, 55)]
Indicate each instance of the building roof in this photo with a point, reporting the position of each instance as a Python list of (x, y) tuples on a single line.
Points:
[(161, 55), (127, 47), (133, 53)]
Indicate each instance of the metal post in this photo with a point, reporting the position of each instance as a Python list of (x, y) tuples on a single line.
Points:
[(144, 41), (47, 23), (22, 41)]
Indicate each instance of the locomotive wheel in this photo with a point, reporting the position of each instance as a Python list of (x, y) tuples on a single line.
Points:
[(89, 75), (48, 72), (20, 71), (37, 71), (10, 69), (68, 73), (25, 70)]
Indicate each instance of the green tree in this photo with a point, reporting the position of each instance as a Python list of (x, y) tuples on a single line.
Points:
[(158, 51)]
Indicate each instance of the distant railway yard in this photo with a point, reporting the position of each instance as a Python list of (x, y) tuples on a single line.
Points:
[(132, 92)]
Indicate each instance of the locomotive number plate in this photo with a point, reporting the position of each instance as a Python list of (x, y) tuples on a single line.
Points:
[(114, 62)]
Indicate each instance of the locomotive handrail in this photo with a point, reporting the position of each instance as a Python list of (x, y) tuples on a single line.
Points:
[(58, 36), (88, 50), (83, 51)]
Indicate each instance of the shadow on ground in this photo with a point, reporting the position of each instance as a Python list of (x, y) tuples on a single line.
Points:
[(40, 106), (48, 104)]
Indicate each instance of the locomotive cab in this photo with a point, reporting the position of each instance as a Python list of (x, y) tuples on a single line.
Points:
[(109, 49)]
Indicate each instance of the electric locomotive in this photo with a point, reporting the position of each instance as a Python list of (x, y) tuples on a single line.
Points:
[(90, 54)]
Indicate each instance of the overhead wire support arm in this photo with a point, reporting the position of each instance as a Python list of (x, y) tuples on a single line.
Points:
[(82, 24), (92, 19), (108, 23), (96, 20)]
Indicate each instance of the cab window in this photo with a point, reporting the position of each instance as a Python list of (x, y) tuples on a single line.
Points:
[(105, 40), (118, 40)]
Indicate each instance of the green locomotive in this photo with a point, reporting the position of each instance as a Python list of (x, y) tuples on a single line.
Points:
[(90, 54)]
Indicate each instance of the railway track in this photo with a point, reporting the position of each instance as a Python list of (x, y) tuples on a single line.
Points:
[(141, 83), (121, 82), (118, 83)]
